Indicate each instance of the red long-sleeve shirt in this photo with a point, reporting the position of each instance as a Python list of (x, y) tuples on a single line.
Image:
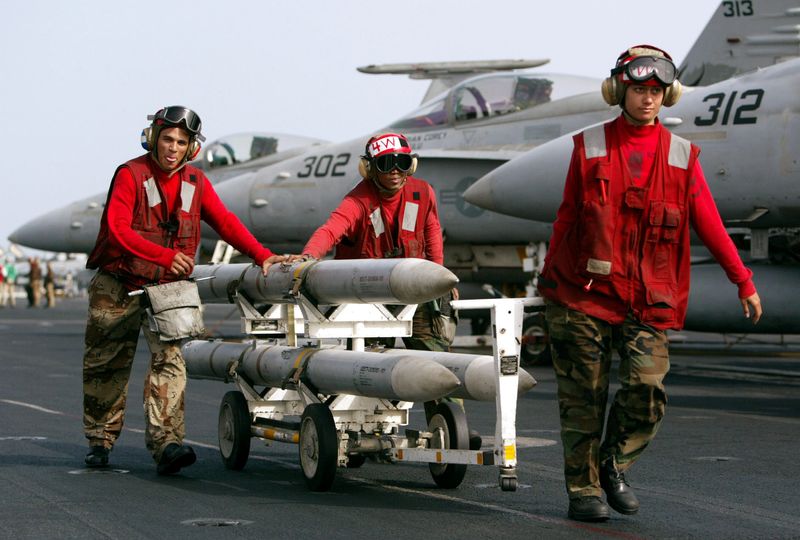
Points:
[(638, 149), (345, 220), (120, 215)]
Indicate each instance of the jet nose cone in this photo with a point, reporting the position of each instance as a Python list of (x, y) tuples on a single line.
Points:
[(529, 186), (46, 232), (480, 193)]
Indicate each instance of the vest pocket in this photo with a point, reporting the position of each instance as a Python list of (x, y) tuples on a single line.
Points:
[(660, 304), (664, 220), (596, 237), (663, 234)]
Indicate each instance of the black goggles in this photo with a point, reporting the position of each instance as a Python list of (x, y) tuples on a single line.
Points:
[(177, 115), (643, 68), (388, 162)]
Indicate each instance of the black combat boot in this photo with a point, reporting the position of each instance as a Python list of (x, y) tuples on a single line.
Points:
[(588, 509), (174, 457), (97, 457), (619, 494)]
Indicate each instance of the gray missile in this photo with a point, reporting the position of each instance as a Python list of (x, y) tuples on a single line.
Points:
[(475, 372), (330, 371), (388, 281)]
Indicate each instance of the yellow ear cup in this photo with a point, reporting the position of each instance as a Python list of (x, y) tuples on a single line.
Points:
[(363, 167), (413, 168), (612, 90), (148, 137), (194, 149), (672, 93)]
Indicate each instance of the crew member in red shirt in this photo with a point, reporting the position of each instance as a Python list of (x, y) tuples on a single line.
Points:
[(149, 233), (390, 213), (617, 276)]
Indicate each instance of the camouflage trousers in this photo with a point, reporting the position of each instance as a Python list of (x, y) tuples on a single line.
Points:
[(112, 332), (581, 348)]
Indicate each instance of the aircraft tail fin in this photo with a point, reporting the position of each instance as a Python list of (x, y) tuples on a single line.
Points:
[(444, 75), (741, 36)]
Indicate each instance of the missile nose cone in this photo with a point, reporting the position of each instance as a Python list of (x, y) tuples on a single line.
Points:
[(525, 382), (480, 380), (529, 186), (415, 281), (420, 379)]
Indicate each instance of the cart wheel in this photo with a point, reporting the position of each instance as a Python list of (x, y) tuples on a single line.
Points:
[(319, 447), (508, 483), (452, 421), (535, 350), (354, 461), (234, 430)]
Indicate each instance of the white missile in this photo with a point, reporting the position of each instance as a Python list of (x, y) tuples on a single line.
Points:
[(388, 281), (329, 371), (475, 372)]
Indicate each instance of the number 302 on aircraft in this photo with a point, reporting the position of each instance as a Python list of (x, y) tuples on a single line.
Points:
[(748, 101), (322, 165)]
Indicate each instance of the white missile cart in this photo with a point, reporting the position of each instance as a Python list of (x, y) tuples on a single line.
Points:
[(343, 430)]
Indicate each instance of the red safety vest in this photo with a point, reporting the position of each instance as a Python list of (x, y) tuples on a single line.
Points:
[(372, 240), (152, 222), (629, 248)]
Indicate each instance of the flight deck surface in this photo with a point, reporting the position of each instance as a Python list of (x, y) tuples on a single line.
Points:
[(722, 466)]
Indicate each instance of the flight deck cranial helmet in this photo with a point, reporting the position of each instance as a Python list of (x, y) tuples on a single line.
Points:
[(174, 116), (386, 152), (645, 65)]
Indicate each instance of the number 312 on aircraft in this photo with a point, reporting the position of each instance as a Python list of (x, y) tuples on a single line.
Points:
[(749, 101)]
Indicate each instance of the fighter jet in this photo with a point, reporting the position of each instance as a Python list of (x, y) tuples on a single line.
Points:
[(475, 125), (73, 228)]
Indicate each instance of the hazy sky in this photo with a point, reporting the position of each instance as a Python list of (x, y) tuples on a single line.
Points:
[(78, 78)]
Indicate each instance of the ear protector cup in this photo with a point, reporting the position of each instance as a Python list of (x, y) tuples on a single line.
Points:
[(145, 139), (413, 168), (363, 167), (672, 93), (193, 150), (613, 91)]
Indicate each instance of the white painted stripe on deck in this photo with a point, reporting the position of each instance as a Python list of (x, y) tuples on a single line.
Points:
[(30, 406)]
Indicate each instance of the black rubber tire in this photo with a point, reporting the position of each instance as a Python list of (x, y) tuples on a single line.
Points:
[(233, 430), (535, 349), (354, 461), (508, 483), (318, 447), (452, 419)]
